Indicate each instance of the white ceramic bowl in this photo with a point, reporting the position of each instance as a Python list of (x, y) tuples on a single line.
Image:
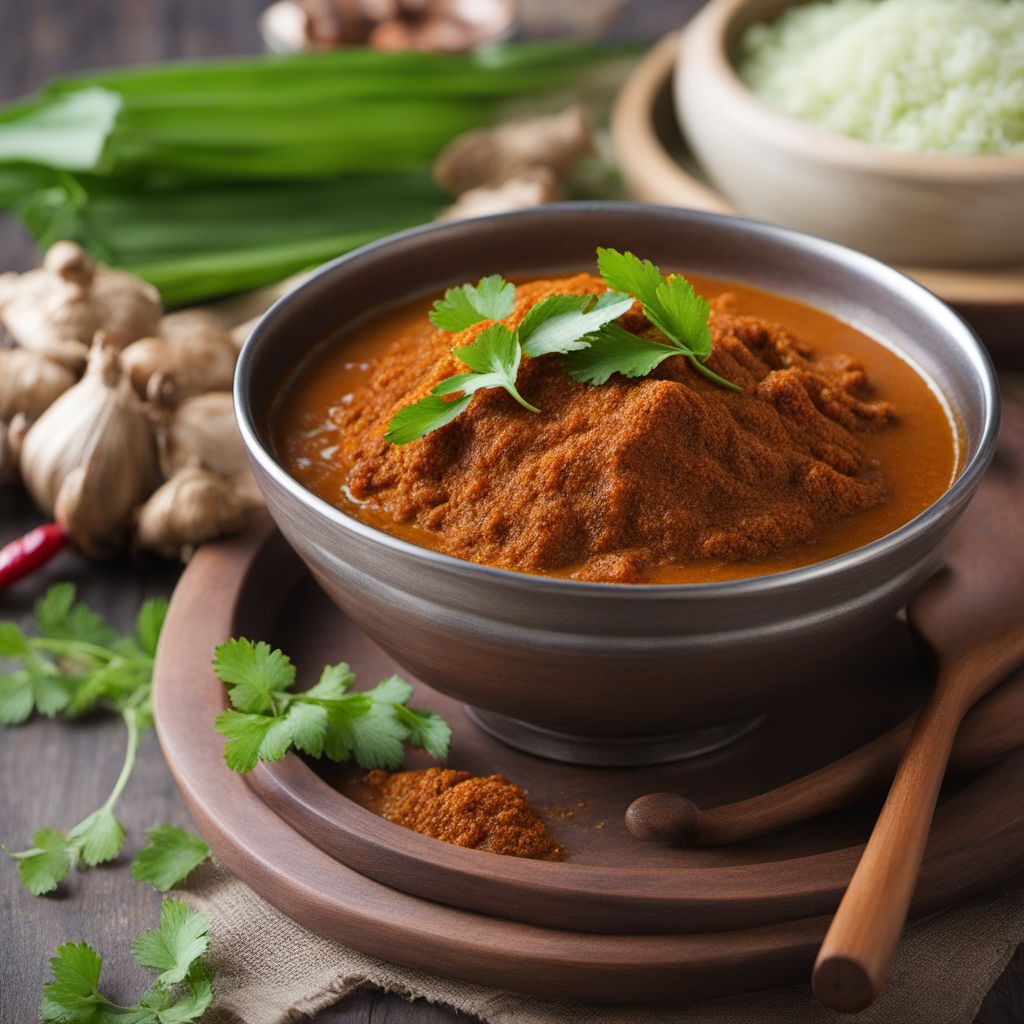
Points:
[(922, 209)]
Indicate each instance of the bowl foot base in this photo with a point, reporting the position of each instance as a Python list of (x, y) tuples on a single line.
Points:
[(608, 752)]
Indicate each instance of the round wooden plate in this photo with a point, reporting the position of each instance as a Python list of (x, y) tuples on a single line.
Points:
[(291, 835), (657, 167), (609, 883)]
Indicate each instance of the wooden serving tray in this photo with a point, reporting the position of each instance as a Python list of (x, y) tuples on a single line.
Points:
[(618, 920), (658, 168)]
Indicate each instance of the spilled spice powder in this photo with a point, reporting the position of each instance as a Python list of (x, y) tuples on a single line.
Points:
[(479, 812)]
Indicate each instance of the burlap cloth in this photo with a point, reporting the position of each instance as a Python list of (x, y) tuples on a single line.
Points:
[(270, 970)]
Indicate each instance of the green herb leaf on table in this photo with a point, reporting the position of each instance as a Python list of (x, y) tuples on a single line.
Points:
[(329, 719), (670, 303), (182, 938), (181, 994), (45, 865), (78, 663), (169, 857), (491, 298)]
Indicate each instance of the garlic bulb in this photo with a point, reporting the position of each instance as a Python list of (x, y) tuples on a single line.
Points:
[(29, 382), (91, 457), (56, 309), (194, 351), (195, 505)]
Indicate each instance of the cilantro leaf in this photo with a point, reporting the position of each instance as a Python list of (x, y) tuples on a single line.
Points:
[(149, 623), (98, 837), (247, 739), (422, 417), (42, 868), (13, 643), (73, 996), (615, 350), (393, 690), (59, 617), (189, 1006), (624, 272), (326, 720), (493, 359), (169, 857), (76, 664), (180, 995), (492, 298), (670, 303), (37, 688), (182, 938), (334, 682), (561, 323), (425, 730), (256, 673)]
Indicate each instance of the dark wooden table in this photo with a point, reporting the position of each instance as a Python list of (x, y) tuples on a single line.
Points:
[(52, 773)]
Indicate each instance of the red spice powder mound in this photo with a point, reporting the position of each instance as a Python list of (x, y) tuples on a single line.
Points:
[(610, 482), (480, 812)]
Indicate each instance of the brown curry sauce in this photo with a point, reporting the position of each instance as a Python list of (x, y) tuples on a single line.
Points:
[(835, 442)]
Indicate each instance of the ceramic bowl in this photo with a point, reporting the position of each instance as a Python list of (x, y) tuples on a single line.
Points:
[(611, 673), (919, 209)]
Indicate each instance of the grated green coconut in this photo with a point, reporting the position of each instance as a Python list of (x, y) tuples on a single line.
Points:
[(928, 76)]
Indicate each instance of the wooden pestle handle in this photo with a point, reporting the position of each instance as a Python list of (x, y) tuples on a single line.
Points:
[(853, 962), (991, 730)]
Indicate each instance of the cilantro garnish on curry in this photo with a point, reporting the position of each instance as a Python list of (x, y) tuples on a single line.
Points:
[(631, 426)]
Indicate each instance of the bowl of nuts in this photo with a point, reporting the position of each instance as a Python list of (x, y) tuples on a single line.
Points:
[(440, 26)]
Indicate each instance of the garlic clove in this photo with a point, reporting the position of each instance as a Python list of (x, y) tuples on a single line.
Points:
[(193, 506)]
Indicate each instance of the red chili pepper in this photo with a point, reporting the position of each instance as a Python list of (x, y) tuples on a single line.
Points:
[(23, 556)]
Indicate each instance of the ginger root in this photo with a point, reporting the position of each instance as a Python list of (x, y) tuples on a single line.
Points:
[(531, 188), (193, 506), (194, 352), (57, 309), (487, 157)]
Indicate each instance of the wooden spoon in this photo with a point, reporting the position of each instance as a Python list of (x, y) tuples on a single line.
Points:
[(972, 616), (992, 729)]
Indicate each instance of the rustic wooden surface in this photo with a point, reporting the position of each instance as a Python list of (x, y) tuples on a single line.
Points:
[(52, 773)]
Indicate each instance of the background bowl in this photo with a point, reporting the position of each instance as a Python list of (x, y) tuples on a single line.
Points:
[(607, 673), (925, 209)]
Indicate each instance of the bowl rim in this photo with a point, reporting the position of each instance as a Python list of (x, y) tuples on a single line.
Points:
[(706, 35), (950, 500)]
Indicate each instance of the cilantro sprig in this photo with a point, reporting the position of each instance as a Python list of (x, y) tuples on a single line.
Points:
[(670, 303), (268, 718), (180, 994), (77, 664), (170, 856), (557, 324), (491, 298)]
